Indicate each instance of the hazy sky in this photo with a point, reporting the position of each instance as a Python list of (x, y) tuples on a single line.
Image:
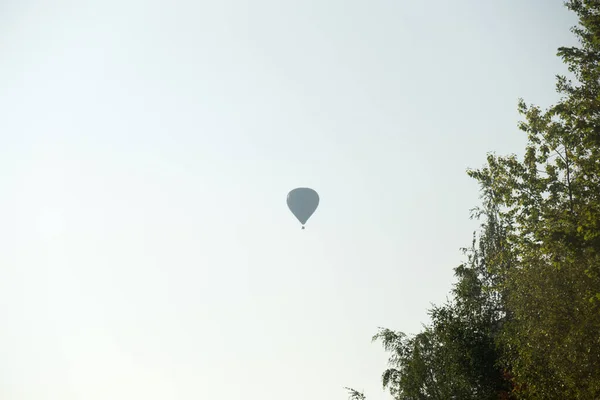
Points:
[(146, 151)]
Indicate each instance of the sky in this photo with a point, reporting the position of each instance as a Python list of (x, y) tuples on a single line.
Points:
[(146, 151)]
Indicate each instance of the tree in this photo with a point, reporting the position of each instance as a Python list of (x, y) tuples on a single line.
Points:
[(524, 319), (550, 201)]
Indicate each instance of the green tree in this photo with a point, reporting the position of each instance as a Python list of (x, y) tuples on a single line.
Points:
[(550, 201), (526, 306)]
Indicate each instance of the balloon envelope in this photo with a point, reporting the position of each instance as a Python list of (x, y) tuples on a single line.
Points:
[(302, 202)]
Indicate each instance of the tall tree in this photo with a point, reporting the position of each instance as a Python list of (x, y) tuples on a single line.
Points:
[(526, 307), (551, 200)]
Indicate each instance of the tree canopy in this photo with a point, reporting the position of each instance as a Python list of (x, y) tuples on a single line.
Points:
[(523, 321)]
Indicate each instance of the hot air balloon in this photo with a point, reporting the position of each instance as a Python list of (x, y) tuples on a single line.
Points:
[(302, 202)]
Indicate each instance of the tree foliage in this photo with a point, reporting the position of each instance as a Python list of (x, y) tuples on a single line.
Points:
[(455, 357), (551, 202), (524, 318)]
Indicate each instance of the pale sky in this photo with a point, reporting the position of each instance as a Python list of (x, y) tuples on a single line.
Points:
[(146, 151)]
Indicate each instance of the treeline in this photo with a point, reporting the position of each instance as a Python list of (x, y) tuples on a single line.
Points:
[(523, 321)]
